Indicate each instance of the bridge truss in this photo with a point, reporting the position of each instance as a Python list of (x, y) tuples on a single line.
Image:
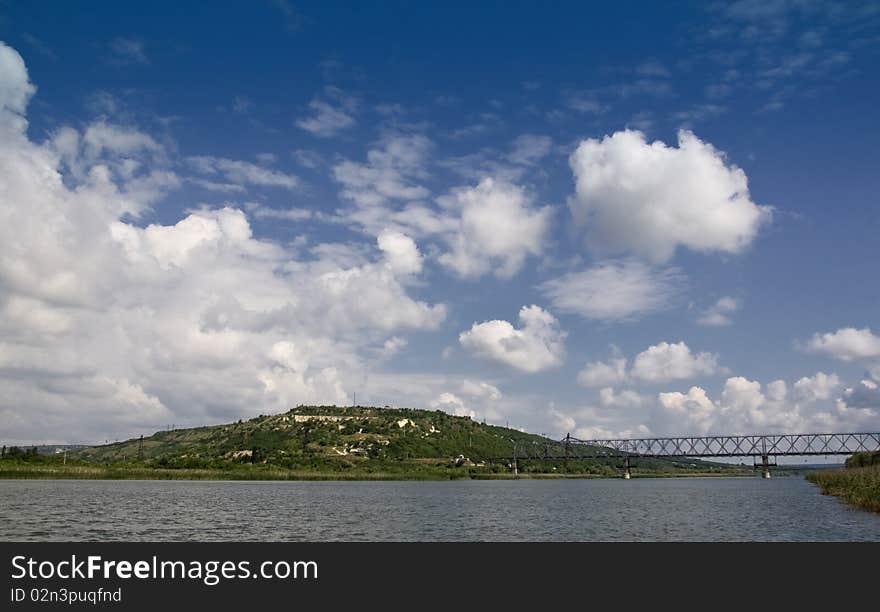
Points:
[(740, 446), (764, 447)]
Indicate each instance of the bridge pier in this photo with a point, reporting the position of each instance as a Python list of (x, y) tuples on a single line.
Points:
[(627, 468), (765, 466)]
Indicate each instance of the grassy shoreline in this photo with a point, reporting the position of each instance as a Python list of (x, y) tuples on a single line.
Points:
[(859, 486), (35, 472)]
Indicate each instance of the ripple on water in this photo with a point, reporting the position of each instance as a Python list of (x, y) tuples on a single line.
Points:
[(702, 509)]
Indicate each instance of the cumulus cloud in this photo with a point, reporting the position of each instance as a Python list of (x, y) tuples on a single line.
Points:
[(747, 407), (112, 328), (600, 374), (665, 362), (401, 252), (817, 387), (480, 400), (537, 345), (847, 344), (15, 88), (815, 404), (693, 408), (648, 199), (497, 228), (718, 315), (452, 404), (614, 290), (661, 362), (131, 160), (491, 227)]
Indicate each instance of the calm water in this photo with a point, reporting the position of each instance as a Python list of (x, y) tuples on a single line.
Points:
[(649, 509)]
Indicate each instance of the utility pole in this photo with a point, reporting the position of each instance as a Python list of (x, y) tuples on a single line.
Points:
[(567, 447)]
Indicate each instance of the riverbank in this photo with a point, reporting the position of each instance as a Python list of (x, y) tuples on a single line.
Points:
[(859, 486), (79, 472)]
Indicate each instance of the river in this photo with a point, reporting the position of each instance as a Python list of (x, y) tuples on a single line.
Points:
[(684, 509)]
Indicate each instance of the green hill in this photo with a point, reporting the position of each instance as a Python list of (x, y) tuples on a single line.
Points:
[(394, 442)]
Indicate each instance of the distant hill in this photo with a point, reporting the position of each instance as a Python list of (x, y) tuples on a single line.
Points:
[(332, 438)]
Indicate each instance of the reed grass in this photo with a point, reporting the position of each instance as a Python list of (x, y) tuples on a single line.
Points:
[(859, 486)]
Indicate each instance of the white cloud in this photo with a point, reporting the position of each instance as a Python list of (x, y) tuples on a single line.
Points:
[(865, 396), (452, 404), (122, 155), (744, 407), (817, 387), (847, 344), (693, 408), (492, 227), (112, 328), (393, 345), (240, 172), (476, 398), (288, 214), (718, 315), (481, 401), (497, 229), (101, 137), (596, 432), (326, 119), (600, 374), (661, 362), (480, 389), (648, 199), (401, 252), (388, 172), (215, 186), (308, 158), (614, 290), (665, 362), (15, 88), (530, 148), (537, 345), (626, 398)]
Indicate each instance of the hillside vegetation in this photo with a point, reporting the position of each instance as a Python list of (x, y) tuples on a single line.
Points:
[(342, 442)]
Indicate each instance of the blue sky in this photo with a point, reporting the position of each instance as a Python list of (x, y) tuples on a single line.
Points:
[(636, 219)]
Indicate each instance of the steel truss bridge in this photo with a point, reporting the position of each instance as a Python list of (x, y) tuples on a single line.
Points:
[(764, 447)]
